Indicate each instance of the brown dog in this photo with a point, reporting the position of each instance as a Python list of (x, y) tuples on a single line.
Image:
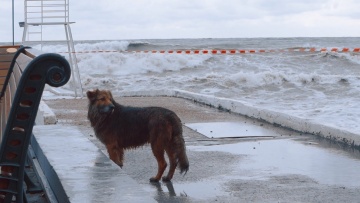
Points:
[(123, 127)]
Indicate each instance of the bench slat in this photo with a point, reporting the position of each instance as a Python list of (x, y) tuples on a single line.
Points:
[(12, 86), (5, 61), (5, 65), (3, 72), (17, 75), (23, 60), (3, 116), (5, 108), (6, 57)]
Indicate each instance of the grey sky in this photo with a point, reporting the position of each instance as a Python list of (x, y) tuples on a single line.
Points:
[(140, 19)]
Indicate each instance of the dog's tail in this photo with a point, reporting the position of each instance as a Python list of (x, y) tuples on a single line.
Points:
[(182, 159)]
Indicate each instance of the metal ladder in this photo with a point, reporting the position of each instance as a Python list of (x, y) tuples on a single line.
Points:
[(41, 13)]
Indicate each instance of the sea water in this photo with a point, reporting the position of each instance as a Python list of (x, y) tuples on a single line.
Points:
[(320, 86)]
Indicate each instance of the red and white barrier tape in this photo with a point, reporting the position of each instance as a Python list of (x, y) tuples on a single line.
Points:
[(227, 51)]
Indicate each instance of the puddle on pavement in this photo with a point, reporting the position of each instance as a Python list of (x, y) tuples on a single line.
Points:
[(266, 158), (230, 129), (200, 190)]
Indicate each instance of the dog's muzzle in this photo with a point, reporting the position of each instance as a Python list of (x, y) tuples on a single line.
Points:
[(107, 108)]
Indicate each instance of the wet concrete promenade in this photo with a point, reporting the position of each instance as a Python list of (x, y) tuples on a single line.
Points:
[(232, 159)]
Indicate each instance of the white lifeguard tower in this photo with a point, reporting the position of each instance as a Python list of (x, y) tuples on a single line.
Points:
[(39, 14)]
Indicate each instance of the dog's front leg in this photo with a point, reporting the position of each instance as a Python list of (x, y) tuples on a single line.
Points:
[(116, 154)]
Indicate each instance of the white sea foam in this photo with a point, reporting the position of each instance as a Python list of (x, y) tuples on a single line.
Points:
[(320, 87)]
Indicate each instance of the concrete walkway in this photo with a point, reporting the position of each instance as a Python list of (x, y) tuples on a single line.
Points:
[(258, 163), (78, 171)]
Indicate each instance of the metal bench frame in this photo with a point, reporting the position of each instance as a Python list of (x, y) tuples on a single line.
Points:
[(48, 68)]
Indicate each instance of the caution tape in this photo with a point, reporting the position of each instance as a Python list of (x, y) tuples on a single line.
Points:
[(225, 51)]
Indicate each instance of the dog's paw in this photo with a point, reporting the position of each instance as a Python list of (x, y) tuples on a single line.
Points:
[(166, 179), (154, 180), (120, 164)]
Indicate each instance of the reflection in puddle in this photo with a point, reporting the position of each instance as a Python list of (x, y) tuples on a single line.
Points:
[(267, 158), (195, 190)]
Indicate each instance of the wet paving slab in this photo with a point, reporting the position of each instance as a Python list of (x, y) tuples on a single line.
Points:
[(231, 130)]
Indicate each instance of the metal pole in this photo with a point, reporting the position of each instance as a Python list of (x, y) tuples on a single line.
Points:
[(13, 34)]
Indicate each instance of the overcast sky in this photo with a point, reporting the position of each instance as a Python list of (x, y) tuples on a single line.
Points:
[(157, 19)]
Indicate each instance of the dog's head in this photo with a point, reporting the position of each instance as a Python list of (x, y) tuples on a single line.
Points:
[(102, 100)]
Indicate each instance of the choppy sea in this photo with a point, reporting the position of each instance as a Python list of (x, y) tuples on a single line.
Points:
[(323, 87)]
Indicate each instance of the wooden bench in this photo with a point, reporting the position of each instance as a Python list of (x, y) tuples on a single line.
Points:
[(23, 75)]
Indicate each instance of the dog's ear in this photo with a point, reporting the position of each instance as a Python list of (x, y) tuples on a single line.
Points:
[(111, 96), (92, 94), (109, 92)]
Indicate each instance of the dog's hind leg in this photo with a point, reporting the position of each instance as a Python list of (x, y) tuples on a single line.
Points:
[(173, 163), (159, 155)]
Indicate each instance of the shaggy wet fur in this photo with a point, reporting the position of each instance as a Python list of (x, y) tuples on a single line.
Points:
[(123, 127)]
